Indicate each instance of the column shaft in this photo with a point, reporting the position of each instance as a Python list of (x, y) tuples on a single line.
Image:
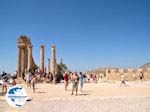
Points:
[(19, 62), (49, 65), (29, 57), (42, 58), (23, 59), (53, 62)]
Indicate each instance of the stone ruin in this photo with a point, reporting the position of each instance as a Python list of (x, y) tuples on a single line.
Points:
[(26, 61), (115, 73)]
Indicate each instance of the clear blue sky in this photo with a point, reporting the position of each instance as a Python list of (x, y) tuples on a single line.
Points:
[(88, 33)]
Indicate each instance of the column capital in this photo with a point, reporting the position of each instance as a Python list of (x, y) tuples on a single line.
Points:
[(53, 46), (42, 46)]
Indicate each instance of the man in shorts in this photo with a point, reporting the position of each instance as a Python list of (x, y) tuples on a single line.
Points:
[(75, 81)]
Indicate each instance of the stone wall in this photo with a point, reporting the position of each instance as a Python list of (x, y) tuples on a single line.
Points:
[(115, 74)]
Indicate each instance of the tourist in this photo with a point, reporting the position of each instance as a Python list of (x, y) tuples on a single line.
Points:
[(4, 84), (141, 76), (28, 78), (91, 77), (88, 78), (48, 77), (33, 82), (81, 81), (75, 81), (84, 78), (51, 77), (101, 75), (94, 78), (4, 74), (66, 79), (122, 80)]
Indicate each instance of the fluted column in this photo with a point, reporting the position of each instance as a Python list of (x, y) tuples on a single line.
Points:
[(30, 57), (42, 58), (19, 63)]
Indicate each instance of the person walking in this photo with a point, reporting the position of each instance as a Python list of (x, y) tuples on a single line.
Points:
[(66, 79), (33, 82), (122, 80), (142, 76), (81, 81), (75, 81), (28, 75)]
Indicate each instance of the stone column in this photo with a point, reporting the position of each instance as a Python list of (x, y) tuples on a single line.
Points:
[(49, 65), (30, 57), (42, 58), (53, 61), (22, 59), (19, 62), (22, 62)]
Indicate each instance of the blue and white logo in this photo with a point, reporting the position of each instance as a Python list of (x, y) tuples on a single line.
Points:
[(16, 96)]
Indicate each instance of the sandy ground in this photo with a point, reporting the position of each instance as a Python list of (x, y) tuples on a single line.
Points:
[(105, 96)]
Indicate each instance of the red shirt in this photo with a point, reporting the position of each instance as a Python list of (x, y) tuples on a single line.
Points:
[(66, 77)]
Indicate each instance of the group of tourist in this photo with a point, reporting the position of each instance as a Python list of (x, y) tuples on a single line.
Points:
[(31, 77), (7, 81), (76, 80)]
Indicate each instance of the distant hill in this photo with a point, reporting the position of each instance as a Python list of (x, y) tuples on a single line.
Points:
[(147, 65)]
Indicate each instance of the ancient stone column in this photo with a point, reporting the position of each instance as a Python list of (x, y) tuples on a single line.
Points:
[(23, 59), (42, 58), (23, 56), (53, 61), (49, 65), (30, 57), (19, 62)]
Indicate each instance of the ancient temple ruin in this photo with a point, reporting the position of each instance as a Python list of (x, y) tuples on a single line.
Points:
[(25, 59)]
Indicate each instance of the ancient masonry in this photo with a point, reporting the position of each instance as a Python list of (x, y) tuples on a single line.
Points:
[(115, 73), (26, 61)]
